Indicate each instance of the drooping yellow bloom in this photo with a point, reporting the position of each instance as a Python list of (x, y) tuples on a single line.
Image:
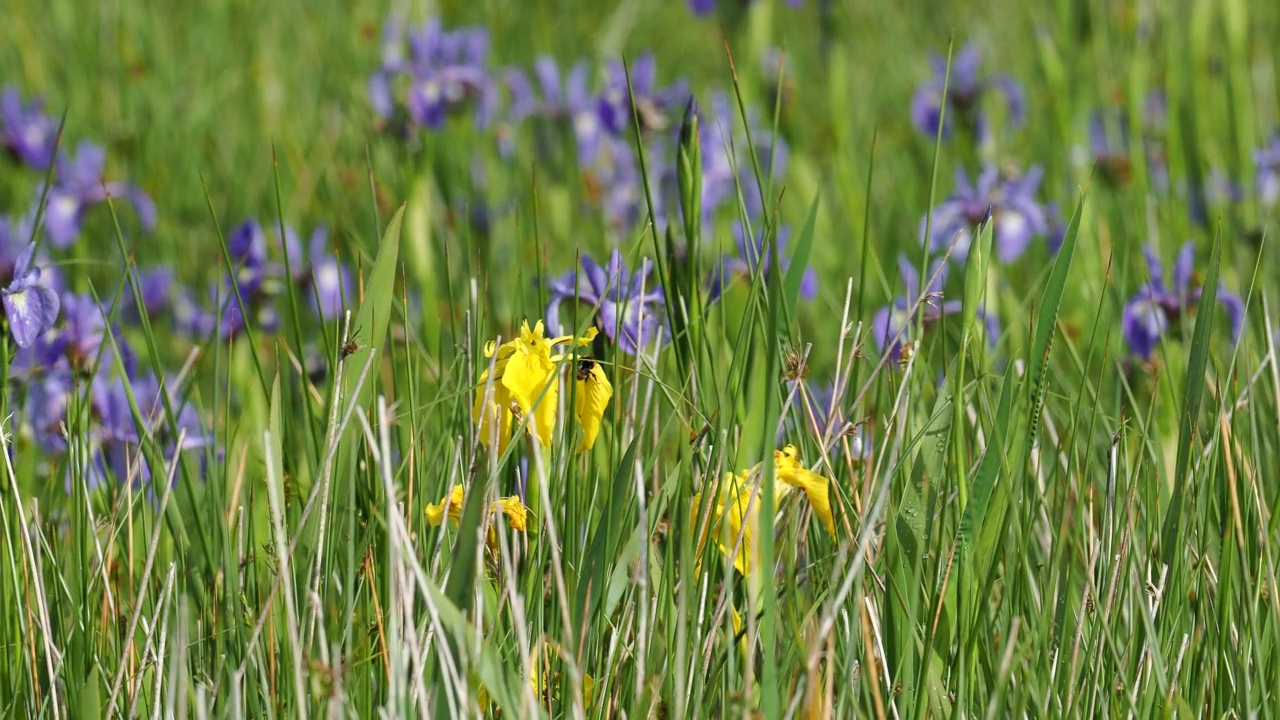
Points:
[(509, 507), (736, 510), (590, 399), (525, 375), (451, 503), (515, 511), (815, 487)]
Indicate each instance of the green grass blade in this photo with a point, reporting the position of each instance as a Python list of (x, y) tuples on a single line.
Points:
[(1189, 417)]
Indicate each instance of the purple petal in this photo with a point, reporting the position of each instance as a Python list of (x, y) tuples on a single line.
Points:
[(1142, 325), (1183, 267), (31, 309), (1155, 268), (1234, 306), (1014, 96)]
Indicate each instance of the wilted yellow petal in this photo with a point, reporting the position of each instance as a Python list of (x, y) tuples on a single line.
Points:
[(815, 486), (516, 512), (450, 504), (591, 398)]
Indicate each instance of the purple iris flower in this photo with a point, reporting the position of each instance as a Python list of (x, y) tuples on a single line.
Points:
[(327, 281), (1010, 201), (751, 258), (156, 288), (619, 183), (653, 106), (892, 325), (392, 47), (629, 313), (1156, 308), (46, 406), (1267, 177), (83, 330), (30, 305), (247, 247), (446, 71), (25, 130), (117, 436), (566, 99), (963, 95), (79, 185), (725, 149)]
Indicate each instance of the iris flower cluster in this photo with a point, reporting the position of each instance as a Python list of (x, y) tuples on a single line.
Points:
[(1157, 309), (323, 282), (443, 73), (1010, 201), (963, 97), (525, 386)]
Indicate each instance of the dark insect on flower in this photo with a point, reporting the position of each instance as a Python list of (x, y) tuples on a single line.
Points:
[(585, 366)]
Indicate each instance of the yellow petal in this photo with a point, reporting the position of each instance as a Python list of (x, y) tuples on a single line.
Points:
[(593, 394), (815, 487), (515, 511), (731, 512), (450, 504), (530, 377), (497, 410)]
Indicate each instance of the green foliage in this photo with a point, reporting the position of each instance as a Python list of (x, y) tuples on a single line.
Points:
[(1042, 524)]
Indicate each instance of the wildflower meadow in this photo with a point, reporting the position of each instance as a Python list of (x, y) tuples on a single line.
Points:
[(639, 359)]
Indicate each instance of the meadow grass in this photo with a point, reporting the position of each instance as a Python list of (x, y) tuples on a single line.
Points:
[(1028, 519)]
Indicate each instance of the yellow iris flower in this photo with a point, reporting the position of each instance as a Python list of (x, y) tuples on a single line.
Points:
[(511, 508), (591, 397), (526, 376), (736, 509)]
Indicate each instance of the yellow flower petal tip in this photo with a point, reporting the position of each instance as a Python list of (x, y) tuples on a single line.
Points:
[(591, 397)]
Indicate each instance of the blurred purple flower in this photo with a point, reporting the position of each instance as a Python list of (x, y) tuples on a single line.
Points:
[(446, 71), (116, 433), (629, 313), (963, 97), (392, 48), (156, 286), (247, 247), (1156, 308), (83, 330), (326, 282), (1011, 203), (30, 305), (892, 325), (751, 258), (1267, 174), (45, 409), (563, 100), (80, 184), (25, 130), (653, 106)]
